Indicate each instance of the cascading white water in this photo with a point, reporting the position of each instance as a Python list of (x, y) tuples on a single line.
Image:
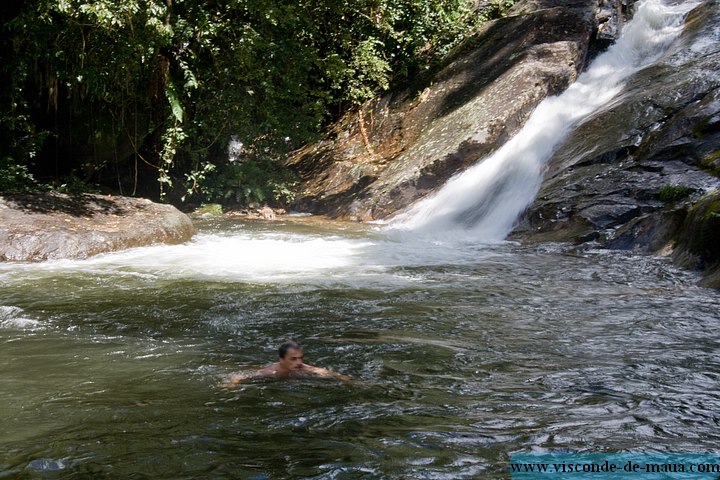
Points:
[(483, 202)]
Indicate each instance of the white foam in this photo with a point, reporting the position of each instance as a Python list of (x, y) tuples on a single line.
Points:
[(252, 256), (14, 318)]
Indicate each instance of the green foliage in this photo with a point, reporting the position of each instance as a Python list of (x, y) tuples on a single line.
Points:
[(213, 209), (17, 178), (71, 184), (713, 209), (14, 177), (496, 9), (711, 162), (172, 139), (169, 83), (252, 181), (196, 179), (177, 109), (673, 193)]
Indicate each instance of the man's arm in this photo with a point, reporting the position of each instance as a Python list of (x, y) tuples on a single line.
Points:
[(235, 379), (268, 371), (324, 372)]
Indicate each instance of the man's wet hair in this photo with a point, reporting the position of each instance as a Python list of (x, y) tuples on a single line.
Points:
[(282, 351)]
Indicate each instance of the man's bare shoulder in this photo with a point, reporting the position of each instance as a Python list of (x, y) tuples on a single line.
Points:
[(269, 371), (265, 372)]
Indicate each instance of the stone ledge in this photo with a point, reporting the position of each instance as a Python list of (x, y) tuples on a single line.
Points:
[(53, 226)]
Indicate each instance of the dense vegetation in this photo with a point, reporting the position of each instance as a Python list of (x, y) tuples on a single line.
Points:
[(197, 99)]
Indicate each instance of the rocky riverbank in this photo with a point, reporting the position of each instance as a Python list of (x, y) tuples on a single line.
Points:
[(51, 226), (641, 175)]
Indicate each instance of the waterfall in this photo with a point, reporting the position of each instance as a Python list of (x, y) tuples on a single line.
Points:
[(483, 202)]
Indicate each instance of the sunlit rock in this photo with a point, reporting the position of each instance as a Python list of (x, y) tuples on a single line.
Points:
[(404, 145), (37, 227)]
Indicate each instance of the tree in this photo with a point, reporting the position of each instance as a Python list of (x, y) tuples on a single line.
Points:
[(131, 93)]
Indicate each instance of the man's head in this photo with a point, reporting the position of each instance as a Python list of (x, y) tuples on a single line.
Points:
[(290, 356)]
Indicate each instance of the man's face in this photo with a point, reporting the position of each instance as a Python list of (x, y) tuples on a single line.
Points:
[(293, 360)]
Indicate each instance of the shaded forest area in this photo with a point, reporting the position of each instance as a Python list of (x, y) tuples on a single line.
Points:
[(196, 100)]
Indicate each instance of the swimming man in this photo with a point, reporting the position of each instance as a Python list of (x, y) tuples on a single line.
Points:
[(288, 365)]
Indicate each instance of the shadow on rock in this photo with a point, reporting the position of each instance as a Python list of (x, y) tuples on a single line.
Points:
[(77, 205)]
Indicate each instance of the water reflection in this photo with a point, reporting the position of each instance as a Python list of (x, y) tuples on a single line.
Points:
[(111, 366)]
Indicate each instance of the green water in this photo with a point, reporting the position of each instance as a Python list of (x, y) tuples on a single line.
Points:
[(461, 355)]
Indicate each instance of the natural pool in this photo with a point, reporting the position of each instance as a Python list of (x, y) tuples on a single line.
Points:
[(462, 355)]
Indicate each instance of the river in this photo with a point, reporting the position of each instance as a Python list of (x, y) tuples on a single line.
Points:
[(464, 349), (461, 353)]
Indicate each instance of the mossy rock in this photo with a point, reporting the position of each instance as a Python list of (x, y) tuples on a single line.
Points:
[(674, 193), (700, 236), (213, 209), (711, 162)]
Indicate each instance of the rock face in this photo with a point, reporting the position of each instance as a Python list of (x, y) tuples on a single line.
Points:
[(37, 227), (635, 175), (641, 174), (402, 146)]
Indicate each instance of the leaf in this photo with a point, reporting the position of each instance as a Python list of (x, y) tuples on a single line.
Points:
[(172, 96)]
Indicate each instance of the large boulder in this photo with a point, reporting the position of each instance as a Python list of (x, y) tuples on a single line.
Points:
[(37, 227), (404, 145)]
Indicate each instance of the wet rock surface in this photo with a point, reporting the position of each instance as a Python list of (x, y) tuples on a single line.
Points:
[(49, 226), (630, 176), (627, 178), (404, 145)]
